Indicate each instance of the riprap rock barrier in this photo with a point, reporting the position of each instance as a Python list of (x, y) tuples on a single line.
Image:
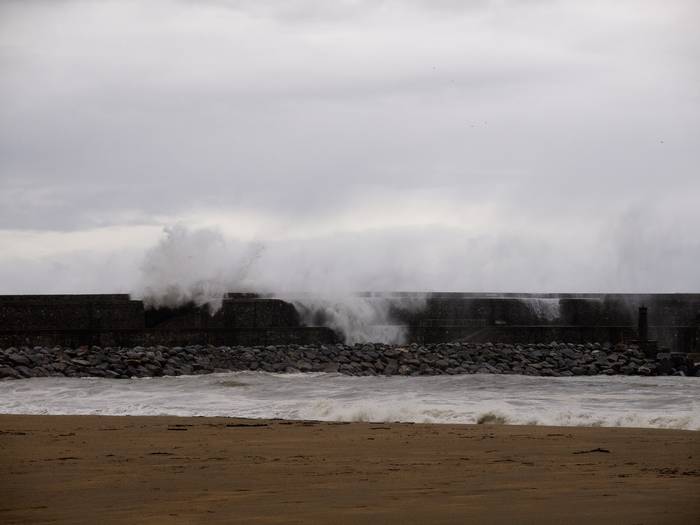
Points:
[(555, 359)]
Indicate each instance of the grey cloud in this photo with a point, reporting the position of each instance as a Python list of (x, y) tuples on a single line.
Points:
[(119, 113), (305, 11)]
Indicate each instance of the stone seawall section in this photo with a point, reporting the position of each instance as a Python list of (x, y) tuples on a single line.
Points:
[(555, 359)]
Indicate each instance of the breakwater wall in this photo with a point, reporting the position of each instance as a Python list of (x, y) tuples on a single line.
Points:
[(118, 320), (672, 321), (554, 359)]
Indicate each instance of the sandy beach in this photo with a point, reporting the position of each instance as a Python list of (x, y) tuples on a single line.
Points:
[(90, 469)]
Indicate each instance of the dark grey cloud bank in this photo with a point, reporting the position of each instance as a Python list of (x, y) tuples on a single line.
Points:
[(487, 145)]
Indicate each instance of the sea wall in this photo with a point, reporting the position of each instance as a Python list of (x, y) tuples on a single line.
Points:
[(673, 319), (555, 359), (118, 320), (245, 319)]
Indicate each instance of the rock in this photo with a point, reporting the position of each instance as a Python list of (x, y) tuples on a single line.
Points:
[(154, 369), (442, 363), (6, 372), (391, 368), (404, 370), (393, 352), (664, 363), (558, 359), (20, 359), (24, 371), (303, 366), (330, 368)]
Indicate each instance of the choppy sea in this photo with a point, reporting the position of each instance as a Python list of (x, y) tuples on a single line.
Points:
[(624, 401)]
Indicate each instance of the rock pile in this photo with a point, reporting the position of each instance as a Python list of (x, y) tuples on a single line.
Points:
[(555, 359)]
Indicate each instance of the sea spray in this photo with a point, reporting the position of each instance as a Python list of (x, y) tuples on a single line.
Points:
[(547, 309), (196, 266), (201, 266), (491, 418), (359, 318)]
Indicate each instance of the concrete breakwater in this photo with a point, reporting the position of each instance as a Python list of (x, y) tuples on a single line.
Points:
[(555, 359), (671, 321)]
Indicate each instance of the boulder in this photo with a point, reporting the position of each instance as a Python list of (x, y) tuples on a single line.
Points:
[(8, 372), (330, 368), (20, 359), (404, 370)]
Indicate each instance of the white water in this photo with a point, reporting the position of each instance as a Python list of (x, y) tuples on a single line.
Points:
[(660, 402)]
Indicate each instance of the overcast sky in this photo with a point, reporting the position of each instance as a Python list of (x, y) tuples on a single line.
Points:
[(485, 145)]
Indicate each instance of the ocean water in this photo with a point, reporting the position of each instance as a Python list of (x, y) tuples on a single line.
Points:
[(658, 402)]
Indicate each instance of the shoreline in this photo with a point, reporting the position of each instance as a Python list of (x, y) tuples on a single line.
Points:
[(155, 469), (488, 420)]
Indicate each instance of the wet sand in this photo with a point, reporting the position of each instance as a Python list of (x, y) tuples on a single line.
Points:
[(90, 469)]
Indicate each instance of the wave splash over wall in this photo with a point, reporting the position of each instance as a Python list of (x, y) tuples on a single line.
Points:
[(358, 318), (201, 266)]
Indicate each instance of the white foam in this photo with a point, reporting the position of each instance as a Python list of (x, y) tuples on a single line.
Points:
[(656, 402)]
